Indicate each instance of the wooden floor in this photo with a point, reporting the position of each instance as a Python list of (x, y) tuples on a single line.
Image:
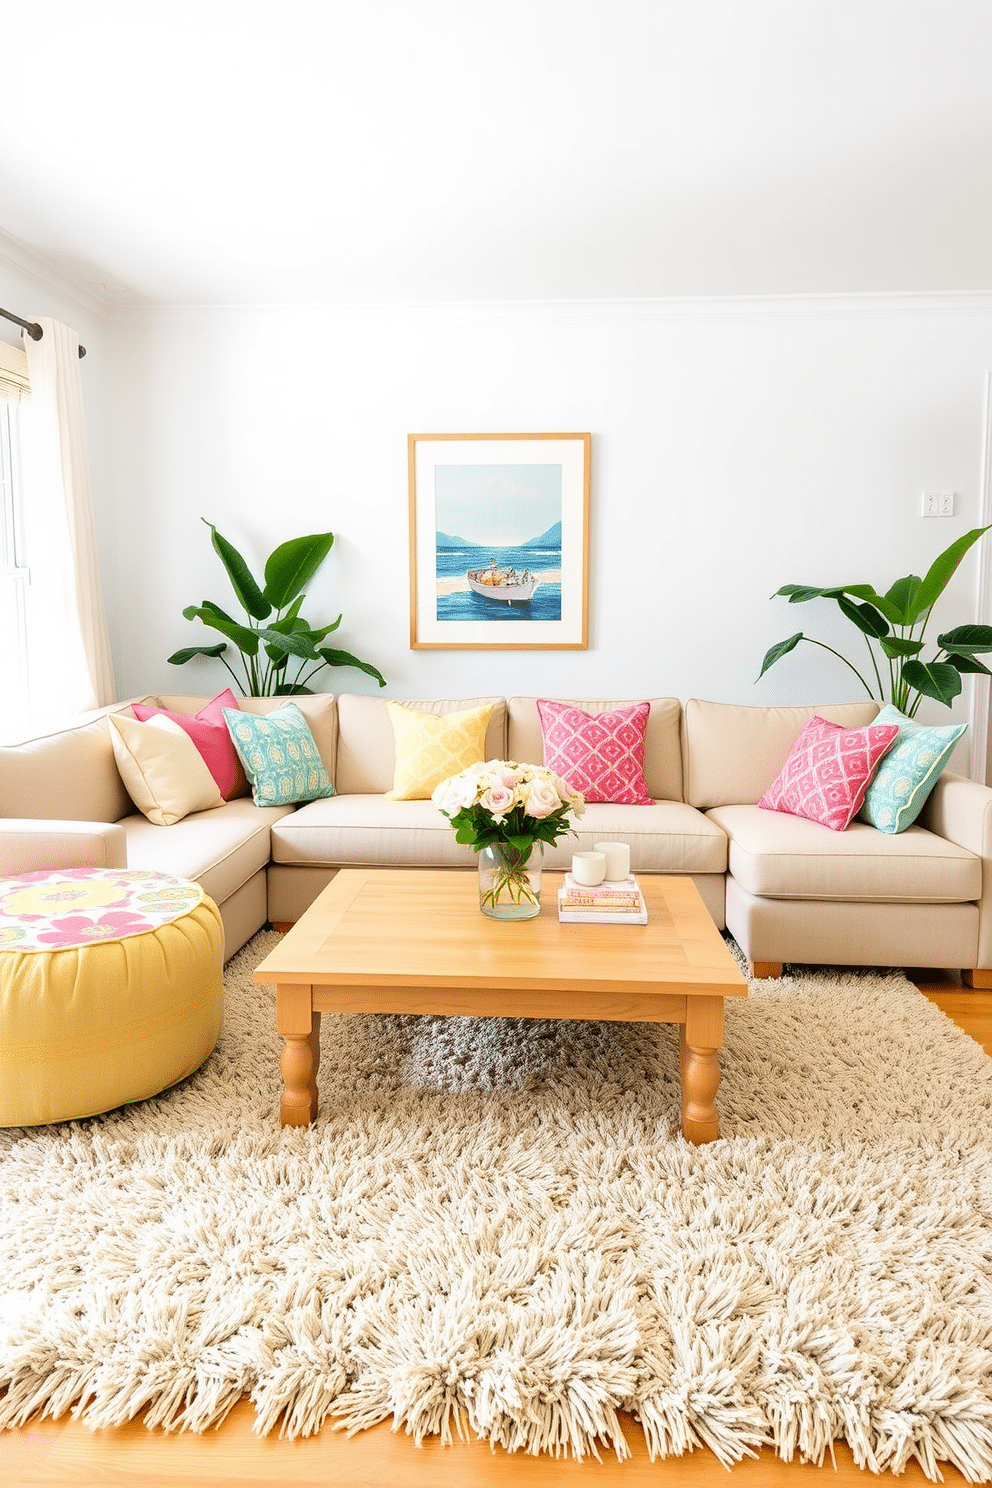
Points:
[(65, 1454)]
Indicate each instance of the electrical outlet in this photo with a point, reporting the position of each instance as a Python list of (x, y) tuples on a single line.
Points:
[(938, 503)]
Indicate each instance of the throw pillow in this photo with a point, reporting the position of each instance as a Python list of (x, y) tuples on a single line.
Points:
[(279, 755), (827, 772), (601, 754), (909, 772), (164, 772), (432, 746), (209, 733)]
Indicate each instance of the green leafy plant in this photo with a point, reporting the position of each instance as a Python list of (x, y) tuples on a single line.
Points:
[(275, 637), (894, 624)]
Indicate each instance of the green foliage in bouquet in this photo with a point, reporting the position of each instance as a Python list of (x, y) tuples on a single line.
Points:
[(895, 623), (275, 636)]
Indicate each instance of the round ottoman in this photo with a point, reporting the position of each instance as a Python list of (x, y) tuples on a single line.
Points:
[(111, 989)]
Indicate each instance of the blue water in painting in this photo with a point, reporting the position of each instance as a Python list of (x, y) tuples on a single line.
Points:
[(465, 604)]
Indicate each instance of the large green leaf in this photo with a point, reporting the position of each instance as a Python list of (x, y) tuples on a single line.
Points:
[(240, 575), (296, 645), (942, 568), (776, 652), (799, 593), (935, 679), (903, 595), (292, 689), (345, 658), (243, 636), (967, 638), (864, 616), (188, 652), (894, 646), (291, 566), (966, 663), (192, 612)]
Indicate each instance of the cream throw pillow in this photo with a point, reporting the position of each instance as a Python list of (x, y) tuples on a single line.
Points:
[(165, 774), (431, 746)]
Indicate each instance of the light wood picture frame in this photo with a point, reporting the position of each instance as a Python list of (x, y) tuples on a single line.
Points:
[(499, 541)]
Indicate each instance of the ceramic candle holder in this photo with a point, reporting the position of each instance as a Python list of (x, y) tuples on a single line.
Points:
[(617, 855), (589, 868)]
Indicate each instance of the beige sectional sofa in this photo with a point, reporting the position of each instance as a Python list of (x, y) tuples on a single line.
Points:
[(788, 889)]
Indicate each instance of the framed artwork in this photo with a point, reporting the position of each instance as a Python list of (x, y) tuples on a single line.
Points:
[(499, 541)]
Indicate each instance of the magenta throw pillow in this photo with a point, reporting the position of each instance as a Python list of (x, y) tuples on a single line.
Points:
[(209, 733), (828, 772), (599, 754)]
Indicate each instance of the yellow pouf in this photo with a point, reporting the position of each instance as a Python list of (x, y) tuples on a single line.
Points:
[(111, 989)]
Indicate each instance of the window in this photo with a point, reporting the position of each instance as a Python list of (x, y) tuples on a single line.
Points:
[(14, 717)]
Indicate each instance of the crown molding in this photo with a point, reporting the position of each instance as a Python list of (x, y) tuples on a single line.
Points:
[(41, 270), (622, 312)]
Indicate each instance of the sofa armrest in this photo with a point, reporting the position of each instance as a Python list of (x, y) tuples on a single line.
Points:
[(960, 811), (33, 843)]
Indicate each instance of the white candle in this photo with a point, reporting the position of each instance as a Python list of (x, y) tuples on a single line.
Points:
[(617, 855), (589, 868)]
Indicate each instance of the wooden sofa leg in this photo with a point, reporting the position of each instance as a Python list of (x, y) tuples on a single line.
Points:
[(282, 925), (762, 969), (980, 978)]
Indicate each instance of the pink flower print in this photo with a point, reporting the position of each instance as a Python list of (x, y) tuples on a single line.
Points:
[(74, 930)]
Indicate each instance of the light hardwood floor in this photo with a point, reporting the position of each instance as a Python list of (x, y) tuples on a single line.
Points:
[(63, 1454)]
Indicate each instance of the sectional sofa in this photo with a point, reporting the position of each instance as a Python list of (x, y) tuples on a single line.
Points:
[(789, 890)]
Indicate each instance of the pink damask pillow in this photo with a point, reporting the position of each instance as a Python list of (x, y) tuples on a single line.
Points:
[(209, 732), (828, 772), (602, 754)]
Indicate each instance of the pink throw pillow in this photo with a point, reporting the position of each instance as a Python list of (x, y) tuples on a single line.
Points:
[(209, 732), (602, 754), (828, 772)]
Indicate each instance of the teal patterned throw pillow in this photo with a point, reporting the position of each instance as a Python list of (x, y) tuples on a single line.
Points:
[(908, 773), (279, 755)]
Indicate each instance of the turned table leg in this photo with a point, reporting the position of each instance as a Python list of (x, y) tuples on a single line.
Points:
[(700, 1039), (299, 1026)]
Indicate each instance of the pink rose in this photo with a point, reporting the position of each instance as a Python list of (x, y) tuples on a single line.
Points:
[(510, 778), (498, 800)]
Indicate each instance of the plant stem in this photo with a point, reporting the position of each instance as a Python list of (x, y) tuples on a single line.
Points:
[(844, 659), (878, 679)]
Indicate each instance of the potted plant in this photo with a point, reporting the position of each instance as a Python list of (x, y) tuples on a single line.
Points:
[(275, 637), (894, 624)]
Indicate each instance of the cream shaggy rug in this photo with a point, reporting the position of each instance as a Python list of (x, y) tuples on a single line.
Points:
[(496, 1227)]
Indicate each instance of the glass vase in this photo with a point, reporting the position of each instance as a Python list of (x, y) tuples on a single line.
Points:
[(510, 881)]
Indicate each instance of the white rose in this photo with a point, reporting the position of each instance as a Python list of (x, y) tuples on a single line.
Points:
[(543, 799)]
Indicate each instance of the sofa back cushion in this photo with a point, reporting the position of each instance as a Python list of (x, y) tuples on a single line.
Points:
[(662, 745), (366, 749), (733, 753), (319, 709), (69, 775)]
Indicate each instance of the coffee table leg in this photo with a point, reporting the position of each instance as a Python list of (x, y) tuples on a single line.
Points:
[(299, 1026), (700, 1040)]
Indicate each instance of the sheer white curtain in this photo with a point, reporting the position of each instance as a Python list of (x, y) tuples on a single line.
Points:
[(69, 661)]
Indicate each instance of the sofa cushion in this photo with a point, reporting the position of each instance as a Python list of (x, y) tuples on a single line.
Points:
[(900, 786), (361, 829), (730, 753), (165, 774), (662, 744), (221, 849), (776, 856), (280, 756), (366, 752), (667, 837), (69, 774), (318, 708), (431, 748), (208, 730), (827, 772), (599, 754)]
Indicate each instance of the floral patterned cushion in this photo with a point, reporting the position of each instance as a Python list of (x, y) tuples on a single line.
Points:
[(279, 755), (68, 907), (909, 772)]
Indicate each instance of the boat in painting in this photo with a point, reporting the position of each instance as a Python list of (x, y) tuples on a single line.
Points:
[(503, 583)]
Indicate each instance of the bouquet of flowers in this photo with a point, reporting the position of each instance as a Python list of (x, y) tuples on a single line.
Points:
[(504, 808)]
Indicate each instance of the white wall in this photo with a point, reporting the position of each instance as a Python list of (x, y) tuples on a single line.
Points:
[(737, 446)]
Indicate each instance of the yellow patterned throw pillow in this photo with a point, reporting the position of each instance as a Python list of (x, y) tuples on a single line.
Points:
[(431, 746)]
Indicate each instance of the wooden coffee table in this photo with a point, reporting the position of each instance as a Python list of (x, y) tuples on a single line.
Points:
[(406, 940)]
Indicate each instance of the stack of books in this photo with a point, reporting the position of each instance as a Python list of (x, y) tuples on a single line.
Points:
[(610, 903)]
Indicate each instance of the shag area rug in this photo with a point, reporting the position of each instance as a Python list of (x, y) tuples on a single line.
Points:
[(495, 1226)]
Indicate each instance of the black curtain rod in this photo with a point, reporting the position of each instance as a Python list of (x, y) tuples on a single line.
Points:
[(32, 327)]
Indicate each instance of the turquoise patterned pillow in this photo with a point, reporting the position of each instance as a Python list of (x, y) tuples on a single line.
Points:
[(908, 773), (279, 755)]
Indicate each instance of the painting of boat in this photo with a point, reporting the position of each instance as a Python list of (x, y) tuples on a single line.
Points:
[(503, 583)]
